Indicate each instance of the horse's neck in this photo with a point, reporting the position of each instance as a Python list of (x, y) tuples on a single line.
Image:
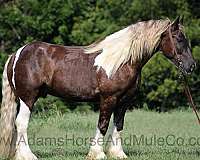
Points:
[(141, 62), (147, 57)]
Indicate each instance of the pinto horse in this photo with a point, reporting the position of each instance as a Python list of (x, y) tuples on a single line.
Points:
[(107, 72)]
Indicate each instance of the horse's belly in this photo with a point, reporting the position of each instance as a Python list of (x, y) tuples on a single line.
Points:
[(75, 83), (74, 91)]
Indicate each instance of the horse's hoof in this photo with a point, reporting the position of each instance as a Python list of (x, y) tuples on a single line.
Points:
[(117, 154), (25, 156), (96, 156)]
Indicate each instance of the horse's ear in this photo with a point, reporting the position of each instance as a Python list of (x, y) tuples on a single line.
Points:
[(181, 20), (175, 24)]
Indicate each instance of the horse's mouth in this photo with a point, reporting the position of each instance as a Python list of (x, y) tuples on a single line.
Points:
[(182, 69)]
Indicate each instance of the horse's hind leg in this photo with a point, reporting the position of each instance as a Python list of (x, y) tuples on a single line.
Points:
[(23, 151)]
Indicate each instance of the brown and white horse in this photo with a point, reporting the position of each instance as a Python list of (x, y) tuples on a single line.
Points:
[(108, 71)]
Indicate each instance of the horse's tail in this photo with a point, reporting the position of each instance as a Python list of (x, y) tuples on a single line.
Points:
[(8, 132)]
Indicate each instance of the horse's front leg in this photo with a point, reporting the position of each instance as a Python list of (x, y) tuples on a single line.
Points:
[(106, 109), (115, 149)]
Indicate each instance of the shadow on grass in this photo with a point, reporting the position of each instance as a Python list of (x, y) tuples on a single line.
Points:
[(141, 152), (59, 152)]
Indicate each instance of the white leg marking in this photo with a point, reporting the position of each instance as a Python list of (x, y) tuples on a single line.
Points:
[(115, 149), (23, 151), (14, 63), (96, 148)]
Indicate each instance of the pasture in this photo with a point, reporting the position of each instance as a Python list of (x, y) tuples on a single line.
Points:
[(146, 135)]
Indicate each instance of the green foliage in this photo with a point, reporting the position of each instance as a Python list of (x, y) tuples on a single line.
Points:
[(80, 22), (195, 78), (3, 58), (53, 105), (83, 108), (50, 105), (159, 83)]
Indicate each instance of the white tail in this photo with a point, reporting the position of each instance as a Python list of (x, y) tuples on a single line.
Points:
[(8, 115)]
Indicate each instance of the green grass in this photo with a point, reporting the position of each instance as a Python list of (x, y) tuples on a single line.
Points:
[(182, 125)]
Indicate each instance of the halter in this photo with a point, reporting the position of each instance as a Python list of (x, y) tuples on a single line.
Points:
[(174, 49), (185, 82)]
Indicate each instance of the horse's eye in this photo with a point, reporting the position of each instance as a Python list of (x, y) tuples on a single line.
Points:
[(179, 39)]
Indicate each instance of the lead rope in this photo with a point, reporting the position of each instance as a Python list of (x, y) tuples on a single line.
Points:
[(189, 97), (185, 82)]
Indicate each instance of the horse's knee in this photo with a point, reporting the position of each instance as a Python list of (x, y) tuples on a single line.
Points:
[(106, 109), (103, 129), (103, 123)]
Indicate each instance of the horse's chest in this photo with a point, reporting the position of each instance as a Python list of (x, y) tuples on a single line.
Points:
[(124, 79)]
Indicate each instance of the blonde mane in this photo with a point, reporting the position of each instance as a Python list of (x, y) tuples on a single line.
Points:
[(130, 43)]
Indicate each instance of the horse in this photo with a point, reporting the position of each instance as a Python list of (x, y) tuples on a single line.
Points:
[(108, 72)]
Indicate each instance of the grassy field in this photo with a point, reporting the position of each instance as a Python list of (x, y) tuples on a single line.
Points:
[(155, 136)]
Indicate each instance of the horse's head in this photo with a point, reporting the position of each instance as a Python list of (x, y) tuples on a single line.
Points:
[(175, 47)]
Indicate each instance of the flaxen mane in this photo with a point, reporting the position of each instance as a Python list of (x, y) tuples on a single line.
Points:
[(132, 42)]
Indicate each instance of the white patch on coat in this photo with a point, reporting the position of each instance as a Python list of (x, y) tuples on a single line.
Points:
[(14, 64)]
